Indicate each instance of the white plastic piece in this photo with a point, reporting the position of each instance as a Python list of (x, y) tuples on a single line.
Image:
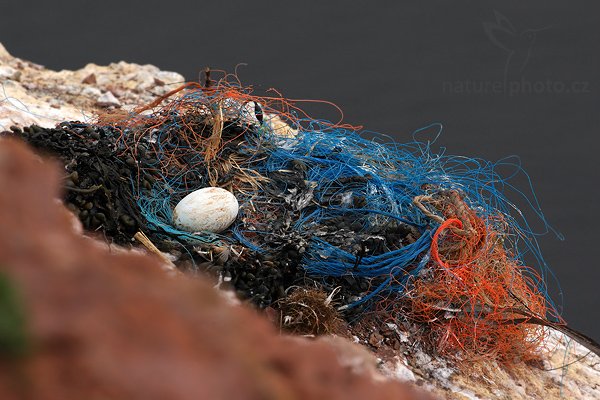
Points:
[(210, 209)]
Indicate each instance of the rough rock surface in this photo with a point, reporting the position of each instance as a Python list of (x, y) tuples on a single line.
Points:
[(566, 371), (32, 94)]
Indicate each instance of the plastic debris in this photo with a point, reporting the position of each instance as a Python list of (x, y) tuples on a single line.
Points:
[(414, 235)]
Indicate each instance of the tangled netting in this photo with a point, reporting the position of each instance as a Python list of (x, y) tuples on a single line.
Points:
[(398, 228)]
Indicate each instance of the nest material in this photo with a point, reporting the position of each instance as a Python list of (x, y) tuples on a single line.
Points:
[(328, 207), (310, 312)]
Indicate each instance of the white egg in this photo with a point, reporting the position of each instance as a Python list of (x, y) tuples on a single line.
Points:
[(209, 209)]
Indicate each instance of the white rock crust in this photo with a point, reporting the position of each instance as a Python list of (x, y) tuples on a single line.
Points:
[(31, 94), (210, 209), (567, 371)]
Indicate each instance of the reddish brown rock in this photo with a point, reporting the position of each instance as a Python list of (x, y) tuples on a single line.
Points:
[(115, 326)]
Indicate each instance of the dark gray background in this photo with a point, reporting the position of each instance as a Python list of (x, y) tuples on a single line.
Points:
[(393, 68)]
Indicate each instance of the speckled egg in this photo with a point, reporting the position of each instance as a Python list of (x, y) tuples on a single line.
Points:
[(209, 209)]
